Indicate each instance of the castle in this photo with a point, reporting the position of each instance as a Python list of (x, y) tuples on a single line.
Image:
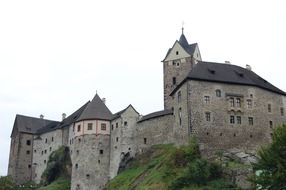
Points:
[(224, 106)]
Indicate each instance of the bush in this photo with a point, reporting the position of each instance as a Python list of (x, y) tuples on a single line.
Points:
[(6, 183)]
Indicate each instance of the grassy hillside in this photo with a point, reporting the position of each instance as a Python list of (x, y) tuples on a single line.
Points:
[(166, 167), (59, 184)]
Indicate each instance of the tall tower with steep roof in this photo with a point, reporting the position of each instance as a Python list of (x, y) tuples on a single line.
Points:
[(178, 62)]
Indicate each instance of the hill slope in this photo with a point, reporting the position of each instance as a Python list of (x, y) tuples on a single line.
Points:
[(167, 167)]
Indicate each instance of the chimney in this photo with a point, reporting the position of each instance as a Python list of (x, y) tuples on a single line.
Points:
[(227, 62), (104, 100), (248, 67), (64, 116), (42, 116)]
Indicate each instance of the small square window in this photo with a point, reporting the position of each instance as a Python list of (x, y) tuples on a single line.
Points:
[(100, 151), (177, 52), (208, 116), (238, 120), (29, 166), (270, 124), (206, 99), (125, 123), (174, 80), (250, 120), (269, 108), (112, 127), (28, 142), (145, 140), (282, 111), (218, 93), (249, 103), (231, 100), (89, 126), (27, 152), (231, 119), (103, 126)]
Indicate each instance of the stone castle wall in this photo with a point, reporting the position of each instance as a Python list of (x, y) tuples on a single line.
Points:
[(158, 130), (219, 133), (90, 155), (44, 145)]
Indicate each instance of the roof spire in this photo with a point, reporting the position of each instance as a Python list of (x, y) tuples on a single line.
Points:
[(183, 27)]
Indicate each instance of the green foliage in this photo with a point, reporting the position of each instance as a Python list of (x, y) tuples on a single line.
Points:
[(272, 162), (58, 164), (60, 184), (6, 183), (167, 167)]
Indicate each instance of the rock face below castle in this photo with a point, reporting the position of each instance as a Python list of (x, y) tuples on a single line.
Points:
[(224, 106)]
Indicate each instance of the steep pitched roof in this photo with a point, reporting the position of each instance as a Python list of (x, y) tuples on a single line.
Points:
[(156, 114), (66, 122), (227, 73), (118, 114), (189, 48), (96, 109), (29, 124)]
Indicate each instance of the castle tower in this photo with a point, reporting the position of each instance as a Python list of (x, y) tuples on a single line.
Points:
[(178, 62), (90, 147)]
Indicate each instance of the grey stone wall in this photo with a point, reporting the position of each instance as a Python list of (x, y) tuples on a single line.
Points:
[(158, 130), (122, 138), (20, 161), (219, 133), (90, 166), (44, 145)]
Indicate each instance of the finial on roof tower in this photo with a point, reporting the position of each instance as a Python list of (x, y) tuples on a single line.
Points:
[(183, 27)]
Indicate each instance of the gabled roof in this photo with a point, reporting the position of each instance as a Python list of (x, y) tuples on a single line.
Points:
[(96, 109), (189, 48), (118, 114), (227, 73), (66, 122), (29, 124), (156, 114)]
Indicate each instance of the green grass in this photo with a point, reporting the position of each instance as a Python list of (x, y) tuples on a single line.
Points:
[(157, 168), (59, 184)]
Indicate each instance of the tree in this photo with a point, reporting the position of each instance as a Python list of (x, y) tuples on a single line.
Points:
[(6, 183), (271, 165)]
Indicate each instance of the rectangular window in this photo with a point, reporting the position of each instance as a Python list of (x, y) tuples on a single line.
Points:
[(282, 111), (249, 103), (46, 141), (73, 128), (145, 140), (78, 128), (89, 126), (116, 125), (103, 127), (238, 120), (270, 124), (180, 116), (100, 151), (125, 123), (52, 139), (231, 119), (179, 97), (238, 102), (28, 142), (112, 127), (208, 116), (231, 100), (27, 152), (117, 139), (207, 99), (250, 120), (174, 80), (269, 107)]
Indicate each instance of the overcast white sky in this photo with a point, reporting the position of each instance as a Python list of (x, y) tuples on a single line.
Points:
[(55, 54)]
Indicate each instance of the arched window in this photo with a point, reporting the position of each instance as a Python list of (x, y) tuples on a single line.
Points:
[(218, 93)]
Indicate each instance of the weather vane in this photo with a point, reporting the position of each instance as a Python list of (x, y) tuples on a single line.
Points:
[(183, 23)]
